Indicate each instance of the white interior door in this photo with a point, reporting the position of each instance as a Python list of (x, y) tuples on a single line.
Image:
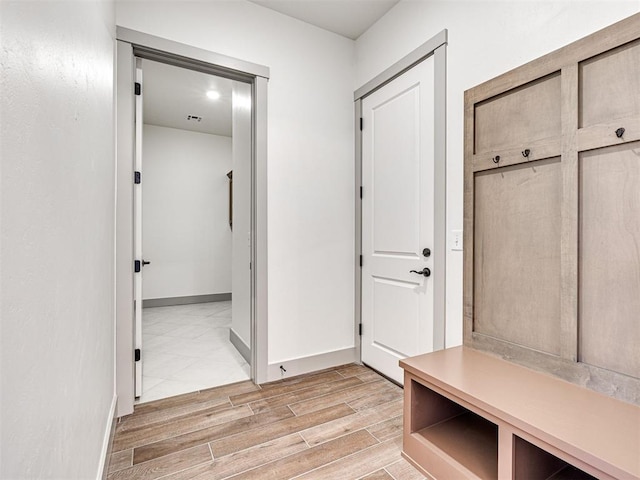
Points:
[(398, 220), (137, 236)]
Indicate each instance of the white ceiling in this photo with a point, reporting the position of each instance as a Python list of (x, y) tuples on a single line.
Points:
[(171, 94), (349, 18)]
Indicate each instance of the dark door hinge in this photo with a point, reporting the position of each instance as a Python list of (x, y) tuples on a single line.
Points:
[(360, 260), (138, 88), (361, 123), (137, 177), (360, 329), (136, 266), (361, 191), (137, 355)]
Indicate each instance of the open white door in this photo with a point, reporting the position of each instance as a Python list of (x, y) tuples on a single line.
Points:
[(137, 233), (398, 220)]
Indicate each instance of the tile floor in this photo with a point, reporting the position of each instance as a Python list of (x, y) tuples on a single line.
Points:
[(186, 348)]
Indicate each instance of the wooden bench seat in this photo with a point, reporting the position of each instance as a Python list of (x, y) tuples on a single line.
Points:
[(469, 414)]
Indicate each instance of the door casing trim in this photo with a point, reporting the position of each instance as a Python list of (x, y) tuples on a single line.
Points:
[(130, 44), (435, 46)]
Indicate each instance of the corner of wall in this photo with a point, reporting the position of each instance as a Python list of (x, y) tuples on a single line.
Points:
[(107, 444)]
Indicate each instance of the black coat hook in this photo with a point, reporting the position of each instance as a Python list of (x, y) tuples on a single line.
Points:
[(496, 159), (620, 132), (526, 152)]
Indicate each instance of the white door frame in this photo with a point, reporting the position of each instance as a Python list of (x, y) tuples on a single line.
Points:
[(132, 44), (435, 46), (137, 235)]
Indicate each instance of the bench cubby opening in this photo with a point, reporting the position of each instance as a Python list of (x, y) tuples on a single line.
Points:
[(454, 432), (532, 462)]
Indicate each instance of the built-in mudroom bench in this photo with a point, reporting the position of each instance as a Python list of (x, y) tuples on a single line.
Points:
[(469, 414), (547, 382)]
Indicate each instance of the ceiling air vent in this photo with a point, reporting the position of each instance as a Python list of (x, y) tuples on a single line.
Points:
[(194, 118)]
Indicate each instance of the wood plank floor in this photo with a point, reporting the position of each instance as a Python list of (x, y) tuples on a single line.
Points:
[(341, 423)]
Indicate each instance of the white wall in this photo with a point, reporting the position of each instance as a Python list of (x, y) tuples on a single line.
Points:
[(241, 242), (57, 241), (310, 155), (185, 213), (486, 38)]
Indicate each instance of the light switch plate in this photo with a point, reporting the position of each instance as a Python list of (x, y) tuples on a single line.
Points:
[(456, 240)]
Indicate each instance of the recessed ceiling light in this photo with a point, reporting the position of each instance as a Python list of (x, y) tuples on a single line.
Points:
[(213, 95)]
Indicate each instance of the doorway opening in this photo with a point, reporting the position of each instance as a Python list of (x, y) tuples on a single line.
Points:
[(250, 101), (401, 210), (193, 219)]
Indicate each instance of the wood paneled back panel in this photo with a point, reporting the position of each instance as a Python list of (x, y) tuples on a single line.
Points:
[(517, 253), (610, 85), (609, 320), (523, 115), (552, 213)]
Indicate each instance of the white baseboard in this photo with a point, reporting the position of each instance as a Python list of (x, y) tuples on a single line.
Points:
[(243, 348), (313, 363), (107, 442)]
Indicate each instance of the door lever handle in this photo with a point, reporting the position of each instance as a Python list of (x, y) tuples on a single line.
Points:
[(144, 262), (425, 271)]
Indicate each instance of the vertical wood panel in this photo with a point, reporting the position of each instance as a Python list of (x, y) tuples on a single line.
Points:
[(569, 214), (467, 279), (517, 255), (610, 258), (505, 451)]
